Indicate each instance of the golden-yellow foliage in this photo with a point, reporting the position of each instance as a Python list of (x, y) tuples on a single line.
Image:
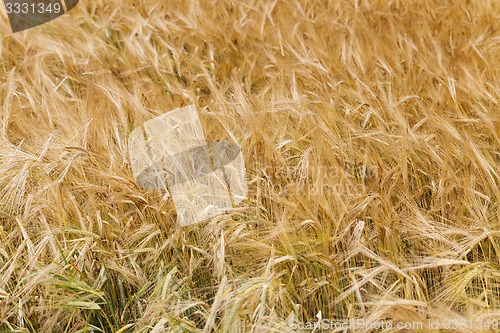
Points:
[(371, 133)]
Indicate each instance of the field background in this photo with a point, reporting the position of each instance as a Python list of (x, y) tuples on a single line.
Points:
[(371, 135)]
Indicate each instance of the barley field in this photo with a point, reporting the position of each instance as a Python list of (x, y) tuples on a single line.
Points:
[(371, 137)]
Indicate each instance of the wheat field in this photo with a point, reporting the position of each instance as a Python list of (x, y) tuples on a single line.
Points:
[(371, 137)]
